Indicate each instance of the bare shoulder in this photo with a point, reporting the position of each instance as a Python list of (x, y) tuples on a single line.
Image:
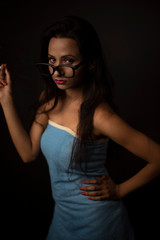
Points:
[(42, 113), (102, 115), (107, 122), (47, 105), (103, 110)]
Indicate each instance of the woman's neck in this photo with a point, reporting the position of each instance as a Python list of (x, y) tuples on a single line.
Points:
[(73, 95)]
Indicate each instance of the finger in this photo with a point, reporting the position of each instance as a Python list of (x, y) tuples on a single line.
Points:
[(98, 198), (91, 188), (2, 67), (3, 83), (101, 196), (2, 72), (93, 181), (95, 193), (8, 79)]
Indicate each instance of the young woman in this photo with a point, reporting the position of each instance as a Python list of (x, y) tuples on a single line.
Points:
[(74, 121)]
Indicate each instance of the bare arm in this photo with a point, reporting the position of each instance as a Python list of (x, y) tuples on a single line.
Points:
[(27, 145), (110, 124)]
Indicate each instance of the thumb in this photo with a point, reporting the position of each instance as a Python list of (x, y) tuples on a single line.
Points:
[(104, 177)]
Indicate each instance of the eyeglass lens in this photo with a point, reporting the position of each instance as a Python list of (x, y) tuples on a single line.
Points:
[(47, 70)]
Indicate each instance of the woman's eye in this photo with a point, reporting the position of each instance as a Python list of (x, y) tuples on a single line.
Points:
[(70, 61), (51, 60)]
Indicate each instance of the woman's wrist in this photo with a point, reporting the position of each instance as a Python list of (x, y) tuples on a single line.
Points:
[(122, 190), (7, 100)]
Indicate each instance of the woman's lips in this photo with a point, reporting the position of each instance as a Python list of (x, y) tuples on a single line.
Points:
[(60, 81)]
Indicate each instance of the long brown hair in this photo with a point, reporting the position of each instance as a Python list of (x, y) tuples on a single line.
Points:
[(96, 89)]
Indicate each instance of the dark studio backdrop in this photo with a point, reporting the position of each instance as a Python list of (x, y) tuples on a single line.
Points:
[(129, 33)]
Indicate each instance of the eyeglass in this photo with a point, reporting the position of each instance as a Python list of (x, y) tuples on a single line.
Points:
[(67, 71)]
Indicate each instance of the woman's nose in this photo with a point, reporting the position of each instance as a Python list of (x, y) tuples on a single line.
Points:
[(58, 72)]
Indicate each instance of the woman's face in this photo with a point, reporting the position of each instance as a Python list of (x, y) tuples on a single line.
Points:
[(65, 51)]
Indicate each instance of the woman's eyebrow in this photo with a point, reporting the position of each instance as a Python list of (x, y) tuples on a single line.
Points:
[(49, 55), (67, 55)]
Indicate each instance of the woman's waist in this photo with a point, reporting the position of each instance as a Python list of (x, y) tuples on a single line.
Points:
[(69, 189), (81, 204), (73, 180)]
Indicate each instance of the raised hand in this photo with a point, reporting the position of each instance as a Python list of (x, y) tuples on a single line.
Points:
[(5, 83)]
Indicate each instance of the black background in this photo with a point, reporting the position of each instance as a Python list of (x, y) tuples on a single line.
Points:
[(129, 33)]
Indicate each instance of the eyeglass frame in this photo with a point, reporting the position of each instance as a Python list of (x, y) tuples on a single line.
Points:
[(63, 65)]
